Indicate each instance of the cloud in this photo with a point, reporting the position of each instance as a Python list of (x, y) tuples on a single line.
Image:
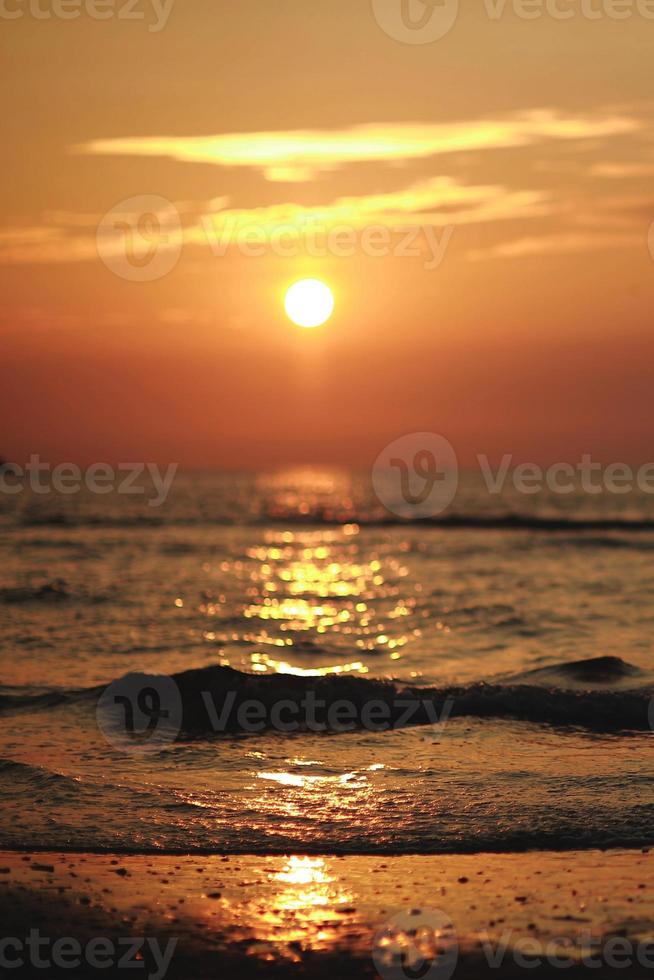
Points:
[(60, 236), (44, 243), (557, 244), (618, 171), (297, 156), (441, 201)]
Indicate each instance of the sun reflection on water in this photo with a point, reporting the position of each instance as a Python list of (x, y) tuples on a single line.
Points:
[(315, 593), (348, 779), (287, 796), (261, 663)]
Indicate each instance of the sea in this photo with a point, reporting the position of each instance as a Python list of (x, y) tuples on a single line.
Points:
[(484, 676)]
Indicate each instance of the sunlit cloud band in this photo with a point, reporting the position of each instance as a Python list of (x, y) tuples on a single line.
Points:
[(300, 155)]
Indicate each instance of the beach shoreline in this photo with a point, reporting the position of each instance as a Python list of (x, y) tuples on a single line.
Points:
[(300, 915)]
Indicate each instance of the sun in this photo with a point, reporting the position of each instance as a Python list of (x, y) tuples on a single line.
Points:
[(309, 303)]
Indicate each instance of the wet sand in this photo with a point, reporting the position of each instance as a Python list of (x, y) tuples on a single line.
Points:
[(325, 916)]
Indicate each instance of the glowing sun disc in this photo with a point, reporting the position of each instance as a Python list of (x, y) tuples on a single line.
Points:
[(309, 303)]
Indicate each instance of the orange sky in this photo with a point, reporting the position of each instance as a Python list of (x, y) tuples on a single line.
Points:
[(528, 143)]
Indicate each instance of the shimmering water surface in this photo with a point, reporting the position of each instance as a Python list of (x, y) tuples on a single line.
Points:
[(303, 575)]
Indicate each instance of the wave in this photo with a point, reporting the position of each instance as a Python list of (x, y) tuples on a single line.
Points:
[(564, 839), (502, 522), (18, 771), (507, 521), (60, 789), (20, 699), (214, 700), (55, 591), (596, 670), (152, 817), (70, 520)]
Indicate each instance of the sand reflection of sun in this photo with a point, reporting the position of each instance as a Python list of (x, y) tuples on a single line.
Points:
[(305, 909), (309, 891)]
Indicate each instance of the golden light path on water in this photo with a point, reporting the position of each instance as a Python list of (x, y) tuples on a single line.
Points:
[(312, 602), (316, 594), (317, 602)]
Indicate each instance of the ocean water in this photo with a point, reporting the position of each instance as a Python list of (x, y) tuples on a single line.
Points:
[(522, 624)]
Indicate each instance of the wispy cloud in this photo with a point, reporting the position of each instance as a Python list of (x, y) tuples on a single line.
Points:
[(622, 171), (557, 244), (300, 155), (441, 201)]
